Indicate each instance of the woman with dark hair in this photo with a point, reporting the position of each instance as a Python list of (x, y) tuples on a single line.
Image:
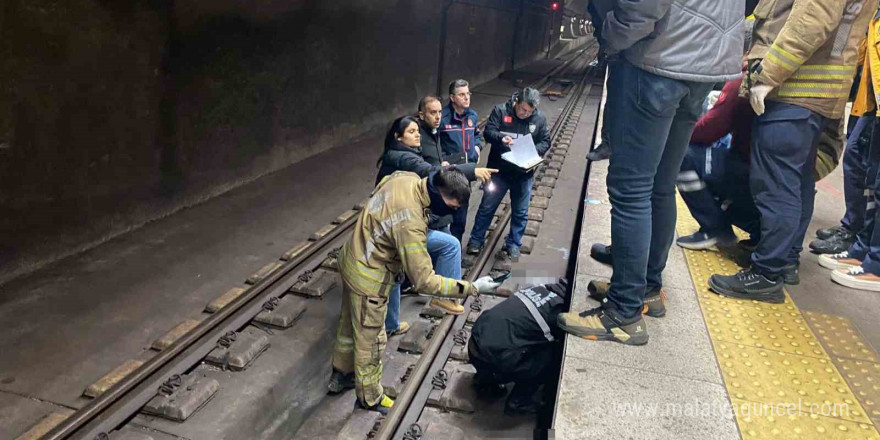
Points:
[(403, 153)]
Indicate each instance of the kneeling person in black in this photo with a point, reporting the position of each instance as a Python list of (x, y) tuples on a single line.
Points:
[(514, 342)]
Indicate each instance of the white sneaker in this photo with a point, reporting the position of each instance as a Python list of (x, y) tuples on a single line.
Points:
[(838, 261), (857, 278)]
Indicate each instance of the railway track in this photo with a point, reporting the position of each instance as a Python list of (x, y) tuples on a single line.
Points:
[(302, 266)]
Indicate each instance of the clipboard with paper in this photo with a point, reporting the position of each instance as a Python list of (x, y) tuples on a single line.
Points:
[(523, 152)]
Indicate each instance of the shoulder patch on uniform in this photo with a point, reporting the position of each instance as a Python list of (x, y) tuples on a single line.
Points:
[(508, 119)]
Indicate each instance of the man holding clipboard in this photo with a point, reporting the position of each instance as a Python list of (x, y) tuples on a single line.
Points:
[(518, 135)]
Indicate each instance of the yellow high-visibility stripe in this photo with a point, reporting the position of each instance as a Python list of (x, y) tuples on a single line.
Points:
[(786, 54), (813, 85), (828, 67)]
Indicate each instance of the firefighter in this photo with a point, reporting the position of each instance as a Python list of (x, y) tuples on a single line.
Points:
[(514, 342), (801, 65), (390, 240)]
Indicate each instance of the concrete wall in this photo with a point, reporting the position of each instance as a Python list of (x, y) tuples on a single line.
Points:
[(112, 116)]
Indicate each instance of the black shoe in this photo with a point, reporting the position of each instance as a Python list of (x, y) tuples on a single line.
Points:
[(474, 249), (790, 275), (824, 234), (602, 152), (835, 244), (749, 244), (697, 241), (601, 253), (340, 382), (749, 284), (520, 406), (488, 388), (655, 300), (739, 254)]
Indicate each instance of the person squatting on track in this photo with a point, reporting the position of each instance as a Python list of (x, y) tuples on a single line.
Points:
[(515, 341), (459, 138), (667, 60), (404, 151), (801, 66), (521, 116), (389, 240)]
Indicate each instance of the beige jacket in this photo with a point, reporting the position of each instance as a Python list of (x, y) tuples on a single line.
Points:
[(390, 237), (808, 50)]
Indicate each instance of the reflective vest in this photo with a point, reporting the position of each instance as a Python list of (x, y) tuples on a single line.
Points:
[(808, 50)]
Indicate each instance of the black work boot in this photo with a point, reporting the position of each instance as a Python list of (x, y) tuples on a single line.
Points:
[(601, 253), (340, 382), (521, 401), (791, 276), (826, 233), (602, 152), (384, 405), (835, 244), (749, 284)]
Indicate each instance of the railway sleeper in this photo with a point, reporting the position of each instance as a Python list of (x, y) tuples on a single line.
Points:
[(359, 425), (315, 283), (181, 396), (542, 191), (536, 214), (532, 228), (539, 202), (174, 334), (134, 433), (416, 339), (396, 371), (238, 350), (284, 313), (296, 250), (457, 393)]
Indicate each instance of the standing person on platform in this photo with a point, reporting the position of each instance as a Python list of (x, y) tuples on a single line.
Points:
[(670, 53), (520, 115), (859, 266), (389, 240), (801, 65), (856, 193), (459, 138)]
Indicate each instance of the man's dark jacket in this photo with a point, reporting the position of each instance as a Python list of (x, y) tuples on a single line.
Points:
[(432, 151), (503, 119)]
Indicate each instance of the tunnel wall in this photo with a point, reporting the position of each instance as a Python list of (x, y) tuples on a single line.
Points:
[(114, 115)]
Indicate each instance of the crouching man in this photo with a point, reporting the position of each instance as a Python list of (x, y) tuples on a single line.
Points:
[(389, 240), (514, 342)]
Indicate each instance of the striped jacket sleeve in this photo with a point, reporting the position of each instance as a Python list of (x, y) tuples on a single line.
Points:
[(807, 28), (412, 248)]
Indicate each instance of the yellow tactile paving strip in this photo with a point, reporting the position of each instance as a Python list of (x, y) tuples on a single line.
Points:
[(782, 382)]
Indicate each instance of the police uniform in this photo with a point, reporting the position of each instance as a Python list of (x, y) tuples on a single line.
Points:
[(389, 238)]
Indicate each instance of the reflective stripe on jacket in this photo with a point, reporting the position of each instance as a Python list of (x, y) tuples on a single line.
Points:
[(808, 50), (390, 237)]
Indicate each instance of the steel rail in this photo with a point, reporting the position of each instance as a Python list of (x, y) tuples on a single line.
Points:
[(410, 402), (201, 339), (125, 398)]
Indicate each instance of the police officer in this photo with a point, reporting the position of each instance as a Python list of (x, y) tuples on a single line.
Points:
[(389, 239), (513, 342), (521, 116), (802, 63), (459, 138)]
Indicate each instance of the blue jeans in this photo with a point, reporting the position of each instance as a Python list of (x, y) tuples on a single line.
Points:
[(650, 136), (855, 167), (520, 194), (784, 141), (445, 252), (867, 244)]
